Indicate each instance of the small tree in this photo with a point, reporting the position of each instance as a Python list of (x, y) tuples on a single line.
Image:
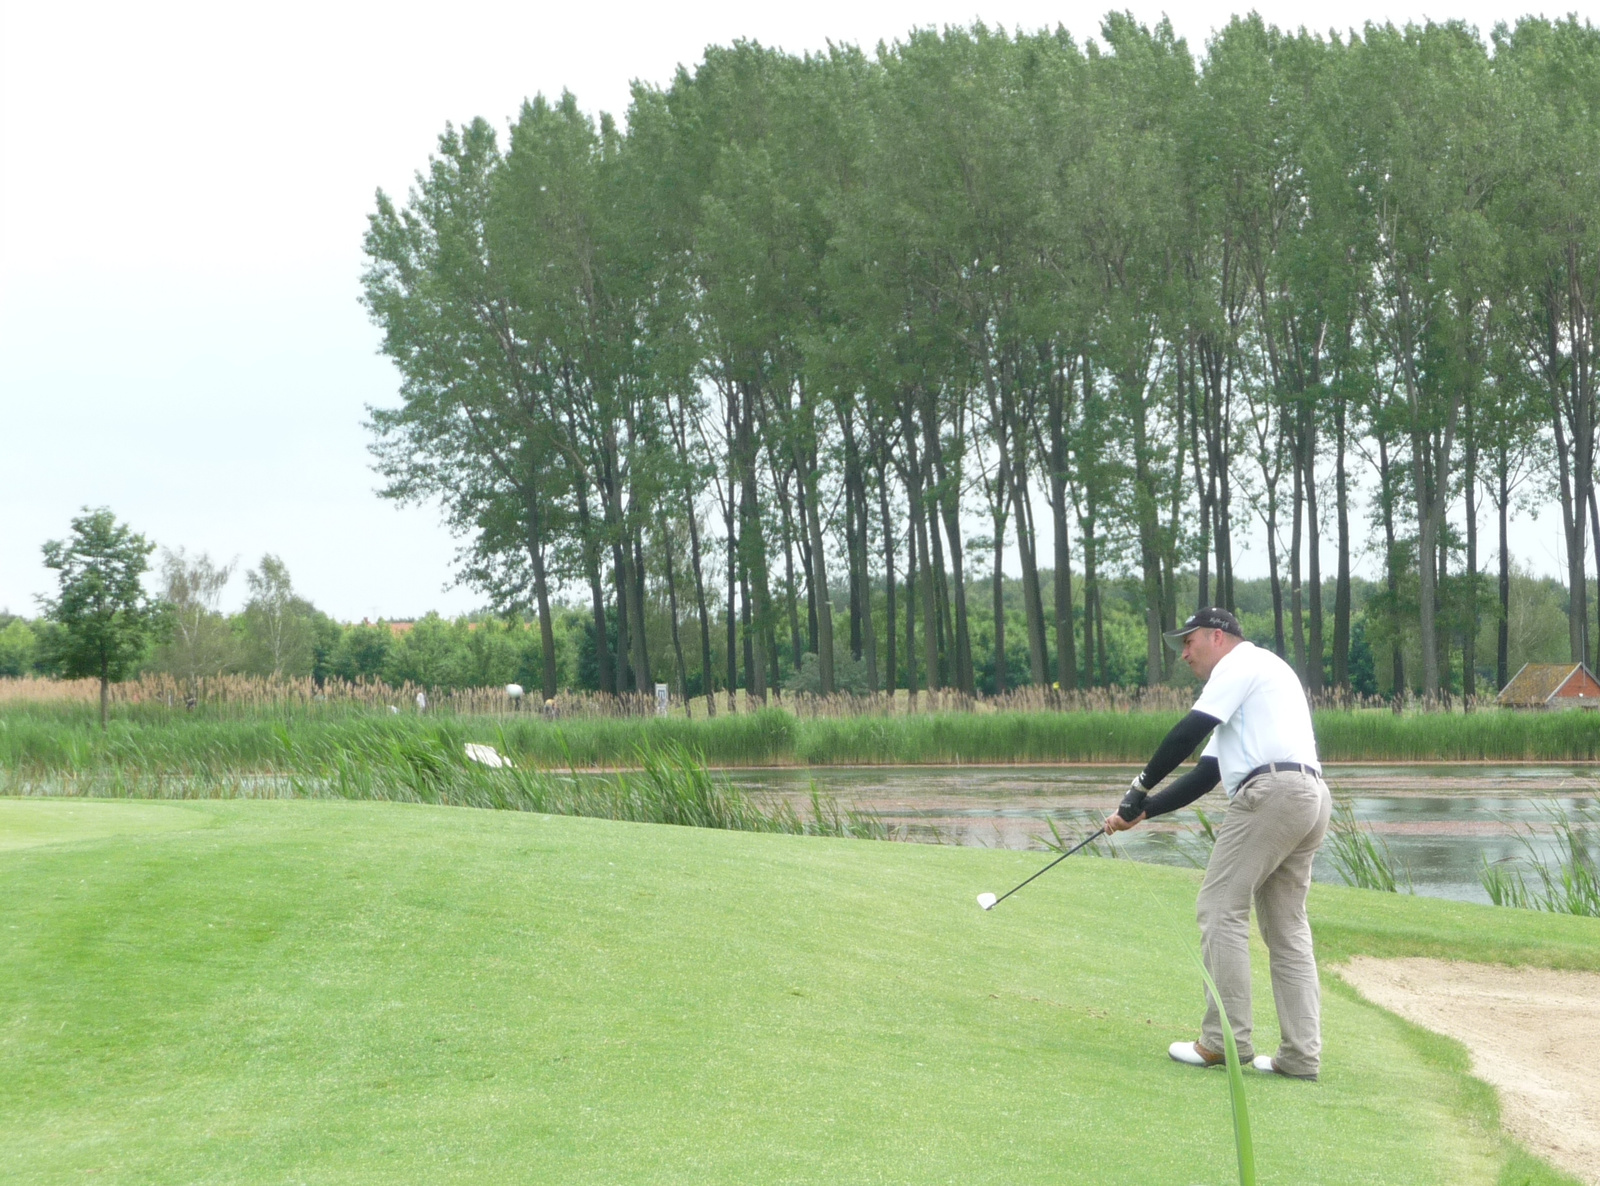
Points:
[(18, 645), (106, 618), (279, 625), (200, 643)]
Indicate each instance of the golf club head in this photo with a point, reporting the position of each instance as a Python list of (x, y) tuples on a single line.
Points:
[(987, 901)]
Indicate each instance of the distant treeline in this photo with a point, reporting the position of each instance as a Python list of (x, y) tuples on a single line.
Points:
[(296, 639), (756, 364)]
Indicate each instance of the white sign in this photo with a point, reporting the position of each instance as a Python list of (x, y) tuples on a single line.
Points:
[(661, 700)]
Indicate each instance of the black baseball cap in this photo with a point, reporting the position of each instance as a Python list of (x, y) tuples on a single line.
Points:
[(1210, 618)]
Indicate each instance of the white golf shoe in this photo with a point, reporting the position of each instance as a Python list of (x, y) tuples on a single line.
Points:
[(1268, 1065), (1195, 1055)]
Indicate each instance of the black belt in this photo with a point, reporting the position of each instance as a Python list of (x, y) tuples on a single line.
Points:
[(1279, 768)]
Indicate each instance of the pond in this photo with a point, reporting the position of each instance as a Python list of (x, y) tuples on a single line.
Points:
[(1439, 822)]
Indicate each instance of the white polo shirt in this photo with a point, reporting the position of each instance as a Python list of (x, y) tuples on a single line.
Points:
[(1264, 714)]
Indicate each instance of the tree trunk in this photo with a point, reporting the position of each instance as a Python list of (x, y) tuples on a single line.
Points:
[(591, 563), (1469, 639), (1066, 649), (770, 648), (641, 641), (869, 627), (1570, 411), (1430, 477), (941, 592), (1313, 561), (734, 583), (1216, 388), (626, 674), (1100, 639), (863, 629), (1273, 574), (947, 498), (1443, 636), (672, 609), (707, 680), (999, 607), (1093, 660), (1295, 531), (891, 673), (541, 596), (1341, 591), (1502, 657), (917, 544), (630, 578), (1205, 483), (819, 578), (930, 608), (105, 696), (950, 505), (753, 672), (1030, 580), (1573, 536), (753, 557), (1594, 530), (786, 525), (1391, 570), (852, 569), (1145, 511), (804, 539), (911, 613)]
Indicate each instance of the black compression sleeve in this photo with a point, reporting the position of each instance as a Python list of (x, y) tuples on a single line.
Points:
[(1176, 746), (1184, 791)]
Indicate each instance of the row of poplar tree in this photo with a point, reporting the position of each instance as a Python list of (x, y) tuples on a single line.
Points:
[(807, 319)]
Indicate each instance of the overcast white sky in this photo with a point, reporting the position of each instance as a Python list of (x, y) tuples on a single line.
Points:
[(184, 193)]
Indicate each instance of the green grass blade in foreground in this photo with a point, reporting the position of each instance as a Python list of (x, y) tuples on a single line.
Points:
[(1243, 1145)]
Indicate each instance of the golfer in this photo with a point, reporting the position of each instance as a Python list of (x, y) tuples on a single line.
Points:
[(1264, 753)]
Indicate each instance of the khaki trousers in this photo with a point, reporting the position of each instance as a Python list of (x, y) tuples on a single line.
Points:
[(1264, 848)]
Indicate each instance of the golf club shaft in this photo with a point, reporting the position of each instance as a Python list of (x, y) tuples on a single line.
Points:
[(1050, 866)]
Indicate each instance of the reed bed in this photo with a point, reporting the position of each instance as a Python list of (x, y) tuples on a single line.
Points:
[(244, 696), (238, 724), (180, 743), (1500, 735), (236, 696), (668, 785), (990, 739)]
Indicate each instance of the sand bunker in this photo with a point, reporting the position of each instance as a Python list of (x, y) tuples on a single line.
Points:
[(1534, 1034)]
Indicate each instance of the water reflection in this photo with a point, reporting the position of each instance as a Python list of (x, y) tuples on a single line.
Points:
[(1439, 822)]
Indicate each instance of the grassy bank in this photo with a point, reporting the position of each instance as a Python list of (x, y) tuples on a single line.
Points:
[(42, 740), (341, 993)]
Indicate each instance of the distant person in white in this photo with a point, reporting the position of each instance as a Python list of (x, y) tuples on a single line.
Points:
[(1264, 753)]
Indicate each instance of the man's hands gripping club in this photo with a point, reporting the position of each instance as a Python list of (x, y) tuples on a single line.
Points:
[(1131, 810)]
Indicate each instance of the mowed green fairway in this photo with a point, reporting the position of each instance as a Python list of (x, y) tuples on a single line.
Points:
[(292, 992)]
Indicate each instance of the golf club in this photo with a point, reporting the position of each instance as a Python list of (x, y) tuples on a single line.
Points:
[(1130, 807)]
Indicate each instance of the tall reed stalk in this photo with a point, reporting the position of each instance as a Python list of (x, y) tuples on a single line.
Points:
[(1361, 857), (1567, 883)]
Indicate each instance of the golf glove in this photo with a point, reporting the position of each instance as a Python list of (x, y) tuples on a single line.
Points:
[(1133, 802)]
